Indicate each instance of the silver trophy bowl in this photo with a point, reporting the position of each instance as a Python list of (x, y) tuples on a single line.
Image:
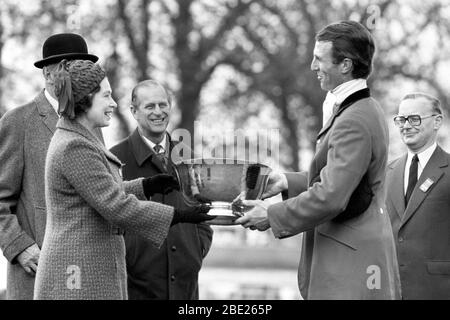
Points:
[(222, 183)]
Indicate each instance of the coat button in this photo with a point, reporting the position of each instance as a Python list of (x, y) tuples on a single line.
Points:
[(400, 239), (172, 277), (173, 248)]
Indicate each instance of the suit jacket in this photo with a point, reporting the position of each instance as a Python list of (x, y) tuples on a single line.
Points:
[(25, 134), (88, 206), (170, 272), (352, 258), (422, 229)]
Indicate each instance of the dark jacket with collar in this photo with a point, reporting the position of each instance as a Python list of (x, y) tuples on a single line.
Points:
[(172, 271), (422, 229), (352, 258)]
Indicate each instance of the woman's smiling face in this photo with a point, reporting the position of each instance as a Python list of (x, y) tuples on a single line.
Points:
[(100, 113)]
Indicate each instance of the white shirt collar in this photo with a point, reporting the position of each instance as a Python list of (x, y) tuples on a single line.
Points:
[(53, 102), (339, 94), (152, 144), (423, 156), (345, 89)]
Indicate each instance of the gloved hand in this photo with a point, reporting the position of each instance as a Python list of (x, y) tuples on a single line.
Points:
[(202, 199), (160, 183), (195, 214)]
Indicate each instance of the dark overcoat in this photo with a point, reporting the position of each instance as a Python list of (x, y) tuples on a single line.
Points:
[(170, 272), (422, 229), (25, 133)]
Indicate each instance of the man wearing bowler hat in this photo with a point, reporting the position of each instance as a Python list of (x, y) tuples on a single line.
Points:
[(25, 134)]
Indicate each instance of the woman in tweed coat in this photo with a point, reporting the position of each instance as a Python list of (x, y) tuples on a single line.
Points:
[(88, 204)]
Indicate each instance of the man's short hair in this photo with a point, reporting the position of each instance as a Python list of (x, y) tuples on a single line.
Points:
[(148, 83), (435, 103), (350, 40)]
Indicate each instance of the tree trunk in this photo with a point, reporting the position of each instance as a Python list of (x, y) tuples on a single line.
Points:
[(112, 72)]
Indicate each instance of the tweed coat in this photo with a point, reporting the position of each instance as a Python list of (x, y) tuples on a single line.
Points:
[(25, 134), (422, 229), (170, 272), (88, 206), (354, 258)]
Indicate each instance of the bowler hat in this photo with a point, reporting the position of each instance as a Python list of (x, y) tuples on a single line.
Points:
[(64, 46)]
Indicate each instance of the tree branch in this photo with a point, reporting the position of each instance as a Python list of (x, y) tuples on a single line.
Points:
[(206, 45)]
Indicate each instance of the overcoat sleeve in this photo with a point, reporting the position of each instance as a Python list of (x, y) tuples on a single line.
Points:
[(86, 170), (13, 239), (205, 233), (297, 183), (135, 187), (348, 158)]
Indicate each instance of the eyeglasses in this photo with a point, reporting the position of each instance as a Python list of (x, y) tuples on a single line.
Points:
[(414, 120)]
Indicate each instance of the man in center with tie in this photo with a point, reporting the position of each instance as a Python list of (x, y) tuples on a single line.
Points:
[(170, 273)]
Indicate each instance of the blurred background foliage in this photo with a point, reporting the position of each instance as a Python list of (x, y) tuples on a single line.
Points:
[(231, 64)]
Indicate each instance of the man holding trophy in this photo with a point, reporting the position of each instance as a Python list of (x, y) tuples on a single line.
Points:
[(348, 250)]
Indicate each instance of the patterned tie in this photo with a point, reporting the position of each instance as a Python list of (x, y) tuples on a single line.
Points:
[(161, 155), (158, 148), (412, 178)]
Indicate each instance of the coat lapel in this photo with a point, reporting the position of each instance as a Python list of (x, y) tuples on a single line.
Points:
[(46, 111), (75, 126), (142, 152), (396, 193), (433, 172), (351, 99)]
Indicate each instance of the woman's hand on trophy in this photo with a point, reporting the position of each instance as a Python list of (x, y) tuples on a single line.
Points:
[(256, 218), (160, 183), (276, 184), (194, 214)]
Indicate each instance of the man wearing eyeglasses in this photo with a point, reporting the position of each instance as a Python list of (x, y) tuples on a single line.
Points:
[(418, 201), (171, 272)]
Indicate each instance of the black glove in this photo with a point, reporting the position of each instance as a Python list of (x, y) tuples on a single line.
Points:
[(160, 183), (194, 214), (201, 199)]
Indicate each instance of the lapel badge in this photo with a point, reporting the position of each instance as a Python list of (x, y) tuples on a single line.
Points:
[(120, 172), (426, 185)]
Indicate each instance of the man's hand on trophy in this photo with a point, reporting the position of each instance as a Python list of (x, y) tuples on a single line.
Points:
[(257, 217), (277, 183), (160, 183), (194, 214)]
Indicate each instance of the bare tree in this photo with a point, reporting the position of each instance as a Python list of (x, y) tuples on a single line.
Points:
[(137, 32), (197, 61)]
